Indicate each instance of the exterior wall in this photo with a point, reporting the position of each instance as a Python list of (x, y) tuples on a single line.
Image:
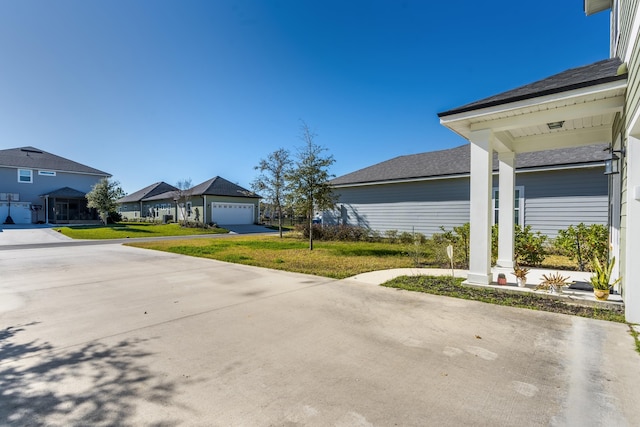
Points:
[(629, 51), (42, 184), (30, 192), (627, 48), (416, 206), (130, 211), (553, 201)]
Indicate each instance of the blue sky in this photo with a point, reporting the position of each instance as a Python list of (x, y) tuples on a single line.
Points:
[(160, 90)]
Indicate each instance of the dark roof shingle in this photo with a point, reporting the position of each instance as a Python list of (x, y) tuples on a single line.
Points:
[(575, 78), (148, 192), (218, 186), (457, 161), (34, 158)]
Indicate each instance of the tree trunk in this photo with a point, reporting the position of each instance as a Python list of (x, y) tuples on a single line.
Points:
[(310, 232)]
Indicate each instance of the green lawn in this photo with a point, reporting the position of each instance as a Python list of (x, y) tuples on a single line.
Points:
[(132, 230), (329, 259)]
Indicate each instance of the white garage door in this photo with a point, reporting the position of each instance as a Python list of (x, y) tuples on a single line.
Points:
[(20, 212), (232, 213)]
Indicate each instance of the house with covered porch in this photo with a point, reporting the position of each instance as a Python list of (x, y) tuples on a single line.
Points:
[(41, 187), (596, 103)]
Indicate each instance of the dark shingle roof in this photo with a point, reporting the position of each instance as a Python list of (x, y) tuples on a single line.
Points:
[(575, 78), (148, 192), (456, 161), (67, 193), (221, 187), (34, 158)]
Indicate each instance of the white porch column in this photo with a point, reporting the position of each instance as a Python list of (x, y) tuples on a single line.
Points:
[(506, 189), (480, 207), (631, 273)]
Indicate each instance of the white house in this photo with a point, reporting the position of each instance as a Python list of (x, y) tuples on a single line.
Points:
[(596, 103)]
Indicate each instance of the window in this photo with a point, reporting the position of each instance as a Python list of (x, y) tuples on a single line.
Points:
[(188, 208), (47, 173), (518, 206), (25, 176)]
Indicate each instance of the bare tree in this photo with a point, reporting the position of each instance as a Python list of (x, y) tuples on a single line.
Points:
[(309, 179), (271, 182), (181, 196)]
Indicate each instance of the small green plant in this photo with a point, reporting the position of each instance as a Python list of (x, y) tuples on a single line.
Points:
[(582, 243), (601, 277), (529, 246), (553, 282), (416, 249), (459, 238)]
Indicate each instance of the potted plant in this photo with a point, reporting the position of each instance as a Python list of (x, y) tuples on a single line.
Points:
[(521, 275), (601, 278), (553, 283)]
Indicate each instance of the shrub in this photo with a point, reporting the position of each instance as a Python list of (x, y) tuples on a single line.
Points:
[(344, 233), (459, 238), (529, 246), (391, 235), (583, 243)]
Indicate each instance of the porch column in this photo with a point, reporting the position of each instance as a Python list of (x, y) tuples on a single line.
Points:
[(480, 207), (506, 194), (631, 273)]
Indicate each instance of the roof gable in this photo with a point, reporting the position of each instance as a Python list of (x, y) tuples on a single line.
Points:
[(218, 186), (34, 158), (457, 161), (147, 192), (66, 193), (589, 75)]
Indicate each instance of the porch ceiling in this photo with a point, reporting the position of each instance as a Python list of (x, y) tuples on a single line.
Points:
[(588, 115)]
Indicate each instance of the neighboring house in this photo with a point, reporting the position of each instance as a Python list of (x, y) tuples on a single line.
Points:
[(596, 103), (40, 187), (422, 192), (145, 203), (213, 201), (223, 202)]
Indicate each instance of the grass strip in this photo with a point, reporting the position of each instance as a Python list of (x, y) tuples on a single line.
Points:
[(446, 286), (133, 230)]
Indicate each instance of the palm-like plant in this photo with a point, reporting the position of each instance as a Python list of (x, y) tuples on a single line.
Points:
[(602, 274)]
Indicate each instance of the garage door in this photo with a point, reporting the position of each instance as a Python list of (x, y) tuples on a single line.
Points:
[(20, 212), (232, 213)]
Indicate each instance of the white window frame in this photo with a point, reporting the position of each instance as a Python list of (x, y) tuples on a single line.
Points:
[(518, 205), (30, 176)]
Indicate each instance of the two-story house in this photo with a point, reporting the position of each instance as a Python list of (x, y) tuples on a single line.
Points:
[(40, 187)]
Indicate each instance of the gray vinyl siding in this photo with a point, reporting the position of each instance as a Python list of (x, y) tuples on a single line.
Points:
[(417, 206), (553, 200), (31, 192), (627, 12)]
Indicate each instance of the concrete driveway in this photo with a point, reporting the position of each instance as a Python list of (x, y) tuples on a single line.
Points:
[(112, 335)]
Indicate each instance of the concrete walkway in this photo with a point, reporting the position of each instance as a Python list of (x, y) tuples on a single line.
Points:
[(114, 335)]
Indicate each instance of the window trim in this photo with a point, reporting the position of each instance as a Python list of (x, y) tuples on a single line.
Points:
[(47, 173), (519, 207), (30, 181)]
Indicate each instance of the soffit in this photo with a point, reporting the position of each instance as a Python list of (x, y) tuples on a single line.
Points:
[(588, 115)]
